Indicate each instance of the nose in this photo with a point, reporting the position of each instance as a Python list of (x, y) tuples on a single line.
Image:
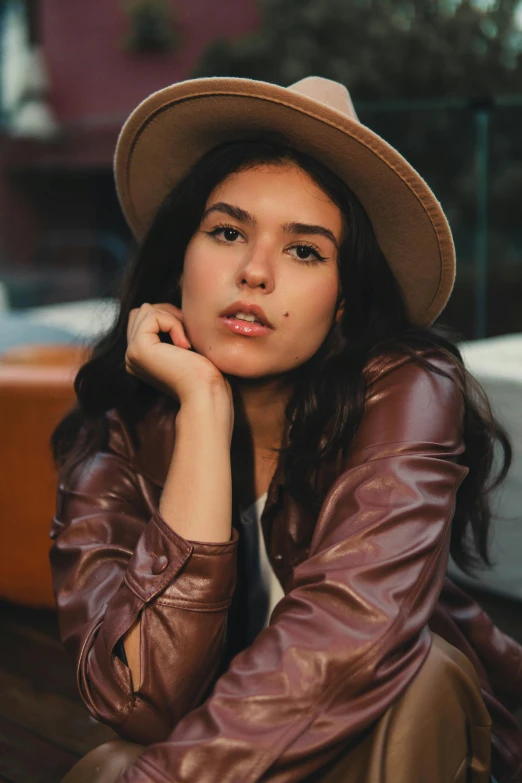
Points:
[(256, 268)]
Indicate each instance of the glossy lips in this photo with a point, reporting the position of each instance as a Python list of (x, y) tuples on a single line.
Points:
[(245, 307), (245, 327)]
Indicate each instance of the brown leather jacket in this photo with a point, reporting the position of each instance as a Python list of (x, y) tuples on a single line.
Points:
[(363, 582)]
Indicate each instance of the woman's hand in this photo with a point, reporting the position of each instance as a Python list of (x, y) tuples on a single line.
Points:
[(173, 369)]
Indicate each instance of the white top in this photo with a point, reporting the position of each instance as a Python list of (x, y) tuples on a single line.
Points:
[(264, 588)]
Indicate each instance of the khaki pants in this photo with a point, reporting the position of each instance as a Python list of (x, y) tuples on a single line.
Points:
[(438, 731)]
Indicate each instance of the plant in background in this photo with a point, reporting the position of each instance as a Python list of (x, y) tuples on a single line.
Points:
[(152, 26), (382, 49)]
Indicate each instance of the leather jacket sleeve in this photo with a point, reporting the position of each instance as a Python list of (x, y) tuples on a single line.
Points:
[(112, 563), (351, 632)]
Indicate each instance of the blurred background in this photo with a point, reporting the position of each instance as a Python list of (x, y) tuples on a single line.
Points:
[(440, 80)]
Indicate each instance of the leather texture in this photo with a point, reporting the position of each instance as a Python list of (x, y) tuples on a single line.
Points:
[(438, 731), (365, 585)]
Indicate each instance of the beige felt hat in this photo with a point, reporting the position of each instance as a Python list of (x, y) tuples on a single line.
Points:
[(172, 128)]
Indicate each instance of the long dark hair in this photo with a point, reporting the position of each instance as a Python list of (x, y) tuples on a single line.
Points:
[(330, 387)]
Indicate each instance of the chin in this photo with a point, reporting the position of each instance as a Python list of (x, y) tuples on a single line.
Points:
[(241, 366)]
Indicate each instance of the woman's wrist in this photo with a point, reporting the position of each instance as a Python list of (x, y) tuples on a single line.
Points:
[(212, 404)]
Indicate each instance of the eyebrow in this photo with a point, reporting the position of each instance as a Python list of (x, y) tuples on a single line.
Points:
[(232, 211), (243, 216), (305, 228)]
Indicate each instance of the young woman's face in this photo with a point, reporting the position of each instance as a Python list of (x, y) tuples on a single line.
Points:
[(269, 236)]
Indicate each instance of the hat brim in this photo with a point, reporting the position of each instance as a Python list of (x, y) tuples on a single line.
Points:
[(172, 128)]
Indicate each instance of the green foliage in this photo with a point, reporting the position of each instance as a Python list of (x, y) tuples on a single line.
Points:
[(151, 26), (380, 49)]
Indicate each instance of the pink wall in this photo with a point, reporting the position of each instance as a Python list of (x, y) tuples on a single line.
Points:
[(92, 76)]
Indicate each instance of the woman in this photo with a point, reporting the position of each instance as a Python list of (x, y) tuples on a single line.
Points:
[(339, 420)]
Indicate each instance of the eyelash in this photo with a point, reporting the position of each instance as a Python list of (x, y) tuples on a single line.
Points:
[(318, 257)]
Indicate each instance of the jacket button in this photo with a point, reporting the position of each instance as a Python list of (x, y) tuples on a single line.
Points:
[(278, 558), (159, 564)]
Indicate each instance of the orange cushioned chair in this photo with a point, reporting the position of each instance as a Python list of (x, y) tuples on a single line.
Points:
[(36, 390)]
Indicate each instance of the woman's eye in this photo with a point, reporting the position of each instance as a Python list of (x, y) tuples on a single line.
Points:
[(307, 253), (228, 233)]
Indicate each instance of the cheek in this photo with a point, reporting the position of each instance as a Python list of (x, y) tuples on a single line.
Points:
[(315, 305), (311, 316), (200, 276)]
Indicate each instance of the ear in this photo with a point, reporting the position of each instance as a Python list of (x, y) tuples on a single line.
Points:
[(340, 310)]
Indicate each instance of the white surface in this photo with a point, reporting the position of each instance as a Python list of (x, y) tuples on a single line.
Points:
[(496, 357), (497, 364), (85, 320)]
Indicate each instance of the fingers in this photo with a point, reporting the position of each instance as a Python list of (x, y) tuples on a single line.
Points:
[(144, 325), (151, 319)]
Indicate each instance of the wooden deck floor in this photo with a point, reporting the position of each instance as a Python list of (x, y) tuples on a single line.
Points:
[(44, 727)]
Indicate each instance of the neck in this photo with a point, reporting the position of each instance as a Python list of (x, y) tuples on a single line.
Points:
[(260, 405), (259, 421)]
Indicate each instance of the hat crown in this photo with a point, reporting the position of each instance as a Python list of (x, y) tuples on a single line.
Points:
[(331, 93)]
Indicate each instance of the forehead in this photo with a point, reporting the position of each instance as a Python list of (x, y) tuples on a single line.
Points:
[(283, 190)]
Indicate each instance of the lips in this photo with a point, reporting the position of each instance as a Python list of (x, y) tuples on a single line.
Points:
[(245, 307)]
